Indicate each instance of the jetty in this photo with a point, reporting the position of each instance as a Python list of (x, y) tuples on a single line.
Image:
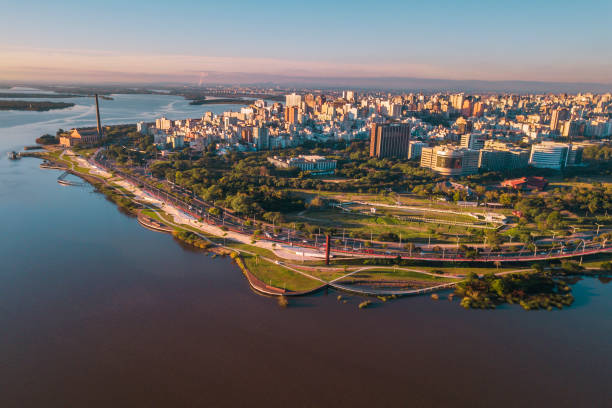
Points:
[(62, 180)]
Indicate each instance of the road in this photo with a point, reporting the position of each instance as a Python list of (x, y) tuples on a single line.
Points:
[(226, 223)]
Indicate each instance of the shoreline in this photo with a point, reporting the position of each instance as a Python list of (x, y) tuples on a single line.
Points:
[(102, 177), (172, 220)]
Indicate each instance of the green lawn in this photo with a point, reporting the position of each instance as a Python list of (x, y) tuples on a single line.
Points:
[(364, 225), (277, 275), (390, 274)]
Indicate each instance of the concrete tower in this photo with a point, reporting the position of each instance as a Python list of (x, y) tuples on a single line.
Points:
[(98, 117)]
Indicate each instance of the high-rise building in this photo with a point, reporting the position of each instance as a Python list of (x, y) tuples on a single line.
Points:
[(464, 126), (558, 115), (246, 134), (466, 110), (292, 114), (395, 110), (553, 155), (456, 101), (348, 95), (500, 156), (415, 147), (450, 160), (163, 123), (293, 100), (473, 141), (478, 109), (310, 102), (261, 138), (389, 140), (142, 127), (573, 128)]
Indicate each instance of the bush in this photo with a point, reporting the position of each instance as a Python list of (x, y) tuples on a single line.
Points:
[(282, 301), (47, 140), (364, 304)]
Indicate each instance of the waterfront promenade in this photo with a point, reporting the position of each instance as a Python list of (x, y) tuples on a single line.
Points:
[(197, 212)]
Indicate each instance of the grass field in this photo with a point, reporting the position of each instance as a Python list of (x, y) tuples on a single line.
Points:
[(278, 276), (394, 275), (358, 225)]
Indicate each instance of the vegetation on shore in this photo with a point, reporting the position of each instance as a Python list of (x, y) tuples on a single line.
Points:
[(33, 105), (116, 197), (539, 290), (191, 239), (47, 139), (38, 95)]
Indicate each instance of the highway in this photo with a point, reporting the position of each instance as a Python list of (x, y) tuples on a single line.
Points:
[(194, 206)]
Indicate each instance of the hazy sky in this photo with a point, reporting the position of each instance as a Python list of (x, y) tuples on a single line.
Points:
[(567, 41)]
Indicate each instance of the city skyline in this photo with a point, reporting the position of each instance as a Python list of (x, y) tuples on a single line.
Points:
[(185, 42)]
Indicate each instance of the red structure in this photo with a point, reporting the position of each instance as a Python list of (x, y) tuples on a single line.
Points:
[(526, 183), (327, 241)]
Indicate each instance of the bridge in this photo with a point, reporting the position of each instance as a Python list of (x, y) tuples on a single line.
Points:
[(62, 180)]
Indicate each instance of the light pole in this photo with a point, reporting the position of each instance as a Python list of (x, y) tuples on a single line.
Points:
[(598, 225)]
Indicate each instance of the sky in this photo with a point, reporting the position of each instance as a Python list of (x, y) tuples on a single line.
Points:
[(204, 41)]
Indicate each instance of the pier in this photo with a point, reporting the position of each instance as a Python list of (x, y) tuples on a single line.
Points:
[(62, 180)]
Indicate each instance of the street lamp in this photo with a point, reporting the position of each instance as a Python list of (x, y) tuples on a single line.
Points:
[(598, 225)]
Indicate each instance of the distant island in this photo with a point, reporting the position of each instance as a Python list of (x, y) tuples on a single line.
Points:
[(204, 101), (33, 106), (37, 95)]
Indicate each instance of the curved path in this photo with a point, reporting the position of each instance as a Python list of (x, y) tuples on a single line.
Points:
[(260, 286)]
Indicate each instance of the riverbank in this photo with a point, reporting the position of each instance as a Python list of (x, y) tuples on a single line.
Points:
[(223, 101), (270, 269), (272, 265)]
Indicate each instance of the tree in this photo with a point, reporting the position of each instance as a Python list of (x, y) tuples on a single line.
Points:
[(500, 287), (493, 239), (471, 277), (593, 206)]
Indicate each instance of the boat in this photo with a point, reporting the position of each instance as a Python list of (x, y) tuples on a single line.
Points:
[(13, 156)]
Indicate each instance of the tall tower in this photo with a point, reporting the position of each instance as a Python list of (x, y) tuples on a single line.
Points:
[(327, 248), (98, 117), (389, 140)]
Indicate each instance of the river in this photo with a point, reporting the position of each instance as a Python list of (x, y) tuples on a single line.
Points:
[(97, 311)]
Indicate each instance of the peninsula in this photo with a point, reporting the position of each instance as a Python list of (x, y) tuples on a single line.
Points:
[(329, 193)]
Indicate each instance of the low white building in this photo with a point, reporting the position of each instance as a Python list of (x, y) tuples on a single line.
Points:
[(312, 163)]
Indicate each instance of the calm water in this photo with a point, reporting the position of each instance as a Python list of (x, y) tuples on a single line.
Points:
[(97, 311)]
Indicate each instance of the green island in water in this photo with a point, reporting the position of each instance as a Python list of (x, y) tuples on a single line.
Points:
[(38, 106)]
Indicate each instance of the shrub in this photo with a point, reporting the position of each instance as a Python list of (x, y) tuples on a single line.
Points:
[(282, 301)]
